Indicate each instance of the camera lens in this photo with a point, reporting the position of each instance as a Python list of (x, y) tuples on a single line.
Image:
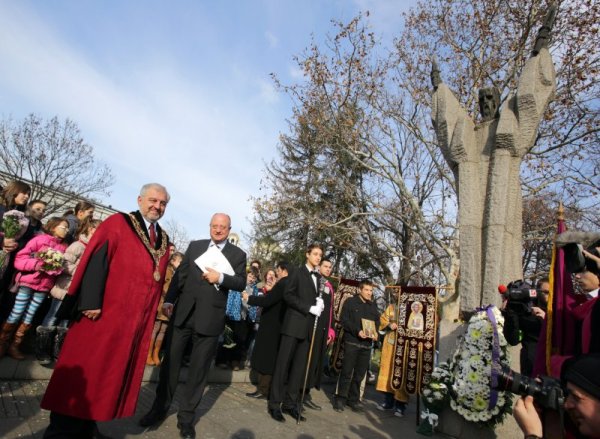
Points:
[(547, 394), (513, 382)]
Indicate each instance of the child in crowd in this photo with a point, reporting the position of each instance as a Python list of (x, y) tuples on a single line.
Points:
[(237, 318), (252, 312), (162, 321), (49, 336), (38, 263)]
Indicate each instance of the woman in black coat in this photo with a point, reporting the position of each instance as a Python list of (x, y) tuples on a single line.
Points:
[(267, 338)]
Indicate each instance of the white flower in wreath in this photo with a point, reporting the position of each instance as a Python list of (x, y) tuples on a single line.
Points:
[(473, 377), (479, 403)]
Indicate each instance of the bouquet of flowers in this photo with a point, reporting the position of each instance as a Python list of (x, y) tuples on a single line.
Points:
[(228, 342), (14, 224), (482, 352), (52, 260), (435, 397)]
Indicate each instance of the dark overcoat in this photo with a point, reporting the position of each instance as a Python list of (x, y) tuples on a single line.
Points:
[(266, 345)]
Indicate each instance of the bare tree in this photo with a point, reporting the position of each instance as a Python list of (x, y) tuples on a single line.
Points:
[(55, 158), (364, 111), (178, 235), (370, 191), (486, 43)]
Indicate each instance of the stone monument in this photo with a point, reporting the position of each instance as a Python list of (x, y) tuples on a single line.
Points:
[(485, 158)]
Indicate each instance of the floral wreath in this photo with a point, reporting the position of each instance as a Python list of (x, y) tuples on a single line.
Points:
[(466, 380)]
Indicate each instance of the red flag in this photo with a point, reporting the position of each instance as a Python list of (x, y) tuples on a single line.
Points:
[(556, 337)]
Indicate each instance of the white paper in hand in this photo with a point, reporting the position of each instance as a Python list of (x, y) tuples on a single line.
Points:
[(213, 258)]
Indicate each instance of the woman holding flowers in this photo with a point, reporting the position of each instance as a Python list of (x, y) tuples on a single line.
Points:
[(38, 263), (13, 201), (13, 197)]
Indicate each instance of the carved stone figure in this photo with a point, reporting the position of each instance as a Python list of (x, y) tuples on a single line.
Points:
[(485, 158)]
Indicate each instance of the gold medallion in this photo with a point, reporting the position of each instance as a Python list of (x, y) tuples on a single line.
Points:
[(156, 254)]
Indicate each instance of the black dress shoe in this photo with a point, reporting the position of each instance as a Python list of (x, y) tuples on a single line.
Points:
[(312, 405), (186, 431), (152, 417), (277, 415), (293, 412), (256, 395), (356, 407), (338, 405)]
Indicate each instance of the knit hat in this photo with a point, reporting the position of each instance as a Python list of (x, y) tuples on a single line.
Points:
[(583, 372)]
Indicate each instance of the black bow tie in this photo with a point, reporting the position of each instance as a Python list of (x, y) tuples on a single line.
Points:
[(314, 273)]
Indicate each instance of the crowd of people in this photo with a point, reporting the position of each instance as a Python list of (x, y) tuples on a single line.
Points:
[(38, 260), (169, 309), (576, 374)]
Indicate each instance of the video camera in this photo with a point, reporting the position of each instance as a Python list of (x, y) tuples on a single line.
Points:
[(547, 394), (520, 296), (573, 244)]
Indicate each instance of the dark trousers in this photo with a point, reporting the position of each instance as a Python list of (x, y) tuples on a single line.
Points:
[(354, 368), (203, 351), (264, 383), (63, 427), (235, 354), (290, 367)]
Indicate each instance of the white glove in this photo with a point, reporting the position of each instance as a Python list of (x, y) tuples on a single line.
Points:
[(316, 310), (320, 303)]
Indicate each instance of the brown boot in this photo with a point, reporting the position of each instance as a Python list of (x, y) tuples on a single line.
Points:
[(155, 354), (5, 336), (13, 349)]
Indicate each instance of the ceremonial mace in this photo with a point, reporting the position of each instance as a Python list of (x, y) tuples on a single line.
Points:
[(310, 349)]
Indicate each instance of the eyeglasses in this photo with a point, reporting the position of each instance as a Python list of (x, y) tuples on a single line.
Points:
[(218, 227), (62, 227)]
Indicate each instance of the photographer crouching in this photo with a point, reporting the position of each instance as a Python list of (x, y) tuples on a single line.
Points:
[(580, 383), (524, 311)]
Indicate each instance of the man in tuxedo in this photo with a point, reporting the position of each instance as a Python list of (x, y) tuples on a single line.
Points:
[(303, 306), (199, 315)]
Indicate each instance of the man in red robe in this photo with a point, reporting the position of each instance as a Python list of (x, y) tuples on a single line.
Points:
[(113, 299)]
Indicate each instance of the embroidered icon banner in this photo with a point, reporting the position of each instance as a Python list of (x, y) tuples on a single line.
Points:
[(346, 289), (415, 341)]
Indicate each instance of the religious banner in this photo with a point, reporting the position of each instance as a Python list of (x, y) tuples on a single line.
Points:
[(346, 288), (415, 341)]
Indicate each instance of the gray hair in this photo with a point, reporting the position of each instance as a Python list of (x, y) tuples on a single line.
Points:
[(156, 186)]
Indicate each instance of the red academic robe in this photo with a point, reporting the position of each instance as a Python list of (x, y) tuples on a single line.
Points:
[(99, 372), (588, 313)]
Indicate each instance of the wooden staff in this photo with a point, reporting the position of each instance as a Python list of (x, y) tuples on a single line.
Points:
[(310, 351)]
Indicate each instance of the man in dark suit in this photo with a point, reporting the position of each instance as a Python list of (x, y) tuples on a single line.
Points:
[(303, 306), (199, 315)]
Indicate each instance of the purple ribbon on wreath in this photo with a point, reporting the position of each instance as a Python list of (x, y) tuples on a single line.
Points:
[(495, 357)]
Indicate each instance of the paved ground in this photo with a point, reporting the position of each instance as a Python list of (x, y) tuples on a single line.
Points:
[(225, 413)]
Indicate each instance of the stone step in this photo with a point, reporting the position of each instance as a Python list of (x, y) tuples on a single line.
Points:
[(30, 369)]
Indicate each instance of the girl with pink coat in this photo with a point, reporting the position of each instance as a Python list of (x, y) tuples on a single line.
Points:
[(34, 280)]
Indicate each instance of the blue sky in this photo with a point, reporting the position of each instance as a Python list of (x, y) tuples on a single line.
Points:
[(175, 92)]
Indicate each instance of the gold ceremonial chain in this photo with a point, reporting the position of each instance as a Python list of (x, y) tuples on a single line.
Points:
[(156, 254)]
